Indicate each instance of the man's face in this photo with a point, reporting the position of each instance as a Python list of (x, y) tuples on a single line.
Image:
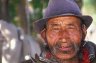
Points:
[(64, 35)]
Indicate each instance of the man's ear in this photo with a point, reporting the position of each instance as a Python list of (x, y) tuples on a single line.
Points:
[(84, 29), (43, 34)]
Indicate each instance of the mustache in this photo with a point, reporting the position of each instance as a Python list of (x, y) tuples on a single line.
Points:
[(59, 43), (69, 44)]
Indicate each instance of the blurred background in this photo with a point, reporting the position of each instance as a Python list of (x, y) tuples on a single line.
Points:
[(21, 14)]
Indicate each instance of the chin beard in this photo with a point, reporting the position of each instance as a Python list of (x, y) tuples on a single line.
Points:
[(54, 49)]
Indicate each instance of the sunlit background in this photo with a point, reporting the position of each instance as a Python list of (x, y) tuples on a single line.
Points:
[(90, 9)]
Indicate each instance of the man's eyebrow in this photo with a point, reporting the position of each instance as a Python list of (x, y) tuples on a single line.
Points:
[(70, 24), (54, 24)]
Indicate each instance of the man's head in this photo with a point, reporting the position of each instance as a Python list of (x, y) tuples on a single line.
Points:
[(64, 35), (63, 27)]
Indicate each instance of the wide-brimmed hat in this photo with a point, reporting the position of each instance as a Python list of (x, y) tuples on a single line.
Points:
[(61, 8)]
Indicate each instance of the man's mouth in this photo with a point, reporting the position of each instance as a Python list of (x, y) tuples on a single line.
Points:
[(63, 48)]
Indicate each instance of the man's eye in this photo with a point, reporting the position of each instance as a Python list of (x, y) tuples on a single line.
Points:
[(55, 29), (71, 27)]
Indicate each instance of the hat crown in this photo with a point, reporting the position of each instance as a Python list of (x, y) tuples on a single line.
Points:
[(59, 7)]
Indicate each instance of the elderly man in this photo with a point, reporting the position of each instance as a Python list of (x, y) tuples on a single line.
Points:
[(64, 28)]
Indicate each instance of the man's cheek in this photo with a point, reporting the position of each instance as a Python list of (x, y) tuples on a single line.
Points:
[(52, 39), (76, 40), (75, 36), (53, 35)]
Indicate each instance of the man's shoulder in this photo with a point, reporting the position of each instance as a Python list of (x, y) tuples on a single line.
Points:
[(92, 50), (90, 44)]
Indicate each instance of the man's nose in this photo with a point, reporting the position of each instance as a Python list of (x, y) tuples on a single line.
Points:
[(64, 36)]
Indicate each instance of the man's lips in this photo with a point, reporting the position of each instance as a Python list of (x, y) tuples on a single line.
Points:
[(63, 48)]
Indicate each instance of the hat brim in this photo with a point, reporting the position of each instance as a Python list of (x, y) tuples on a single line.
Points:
[(39, 25)]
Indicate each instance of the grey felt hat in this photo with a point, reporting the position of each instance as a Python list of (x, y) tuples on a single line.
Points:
[(61, 8)]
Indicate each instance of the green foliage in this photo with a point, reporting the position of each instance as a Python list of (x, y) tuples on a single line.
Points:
[(45, 3), (38, 6), (91, 4), (36, 3), (12, 10)]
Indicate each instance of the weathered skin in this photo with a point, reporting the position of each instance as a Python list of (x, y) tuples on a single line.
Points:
[(64, 36)]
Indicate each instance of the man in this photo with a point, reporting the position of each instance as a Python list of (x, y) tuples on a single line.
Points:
[(64, 28)]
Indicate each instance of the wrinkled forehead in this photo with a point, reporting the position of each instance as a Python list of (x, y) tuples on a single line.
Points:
[(64, 20)]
